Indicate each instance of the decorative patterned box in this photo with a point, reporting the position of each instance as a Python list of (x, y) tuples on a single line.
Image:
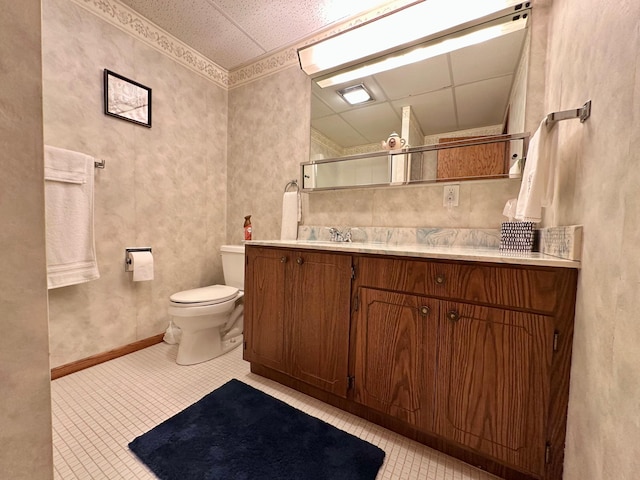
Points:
[(517, 236)]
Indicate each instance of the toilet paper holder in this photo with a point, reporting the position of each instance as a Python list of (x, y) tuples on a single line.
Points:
[(127, 260)]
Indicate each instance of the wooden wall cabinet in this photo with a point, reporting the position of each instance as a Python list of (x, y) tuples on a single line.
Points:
[(472, 359)]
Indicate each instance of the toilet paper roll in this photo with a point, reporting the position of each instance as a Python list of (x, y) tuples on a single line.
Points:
[(142, 266)]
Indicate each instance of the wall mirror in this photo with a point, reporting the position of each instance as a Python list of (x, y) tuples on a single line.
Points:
[(126, 99), (475, 91)]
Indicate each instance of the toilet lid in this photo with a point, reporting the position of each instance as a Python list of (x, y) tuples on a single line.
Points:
[(210, 294)]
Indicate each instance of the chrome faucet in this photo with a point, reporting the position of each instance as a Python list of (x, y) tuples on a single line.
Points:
[(339, 236)]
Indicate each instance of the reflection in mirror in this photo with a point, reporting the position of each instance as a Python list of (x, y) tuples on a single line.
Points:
[(471, 92), (126, 99), (454, 160)]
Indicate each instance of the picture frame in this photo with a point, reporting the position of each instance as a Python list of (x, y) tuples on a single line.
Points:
[(126, 99)]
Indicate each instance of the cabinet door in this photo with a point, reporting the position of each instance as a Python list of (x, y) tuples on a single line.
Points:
[(493, 382), (320, 300), (264, 327), (395, 355)]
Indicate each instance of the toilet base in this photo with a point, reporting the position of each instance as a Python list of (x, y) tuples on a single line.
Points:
[(203, 345)]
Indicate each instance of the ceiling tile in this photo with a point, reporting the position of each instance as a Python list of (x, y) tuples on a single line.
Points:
[(426, 76), (339, 131), (319, 108), (434, 111), (278, 23), (235, 32), (492, 58), (202, 26), (375, 123), (482, 103)]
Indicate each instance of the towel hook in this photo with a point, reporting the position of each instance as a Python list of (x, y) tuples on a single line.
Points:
[(294, 184)]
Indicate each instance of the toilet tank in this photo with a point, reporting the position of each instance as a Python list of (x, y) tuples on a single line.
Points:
[(233, 265)]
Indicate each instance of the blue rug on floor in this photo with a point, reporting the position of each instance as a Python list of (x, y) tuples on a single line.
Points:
[(237, 432)]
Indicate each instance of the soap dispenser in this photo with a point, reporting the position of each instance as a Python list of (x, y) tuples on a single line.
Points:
[(247, 227)]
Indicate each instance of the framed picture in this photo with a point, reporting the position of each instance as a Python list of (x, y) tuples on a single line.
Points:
[(126, 99)]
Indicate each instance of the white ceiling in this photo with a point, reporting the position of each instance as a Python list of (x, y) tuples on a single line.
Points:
[(461, 90), (233, 33)]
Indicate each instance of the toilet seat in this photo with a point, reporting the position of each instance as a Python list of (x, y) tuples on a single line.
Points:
[(201, 297)]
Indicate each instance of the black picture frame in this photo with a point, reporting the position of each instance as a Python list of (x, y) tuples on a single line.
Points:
[(126, 99)]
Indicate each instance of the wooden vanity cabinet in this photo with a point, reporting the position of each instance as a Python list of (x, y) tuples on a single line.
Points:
[(470, 358), (297, 309), (484, 349)]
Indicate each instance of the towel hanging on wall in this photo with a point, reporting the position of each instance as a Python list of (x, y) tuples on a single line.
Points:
[(71, 257), (290, 216), (536, 190)]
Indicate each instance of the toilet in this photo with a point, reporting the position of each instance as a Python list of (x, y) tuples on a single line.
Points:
[(211, 317)]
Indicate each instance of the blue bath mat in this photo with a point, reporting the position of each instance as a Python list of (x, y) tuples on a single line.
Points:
[(237, 432)]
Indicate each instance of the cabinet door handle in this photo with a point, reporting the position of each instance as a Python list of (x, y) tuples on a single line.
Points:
[(299, 260), (424, 310), (440, 279), (453, 315), (284, 259)]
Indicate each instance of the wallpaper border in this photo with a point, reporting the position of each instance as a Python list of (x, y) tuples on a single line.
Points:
[(129, 21)]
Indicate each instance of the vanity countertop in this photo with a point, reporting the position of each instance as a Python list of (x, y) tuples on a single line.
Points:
[(471, 254)]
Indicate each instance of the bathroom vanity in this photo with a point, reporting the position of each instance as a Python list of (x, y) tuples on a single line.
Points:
[(465, 350)]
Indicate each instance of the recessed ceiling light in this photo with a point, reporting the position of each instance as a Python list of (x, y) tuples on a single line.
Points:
[(356, 94)]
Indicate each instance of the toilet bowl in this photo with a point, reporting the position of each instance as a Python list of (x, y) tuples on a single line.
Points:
[(210, 318)]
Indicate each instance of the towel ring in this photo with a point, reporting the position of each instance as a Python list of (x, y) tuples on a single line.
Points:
[(294, 184)]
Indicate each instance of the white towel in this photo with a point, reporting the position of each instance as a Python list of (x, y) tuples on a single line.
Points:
[(290, 216), (71, 257), (536, 190)]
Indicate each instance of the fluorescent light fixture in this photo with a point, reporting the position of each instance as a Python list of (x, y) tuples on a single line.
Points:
[(356, 94), (430, 50), (419, 22)]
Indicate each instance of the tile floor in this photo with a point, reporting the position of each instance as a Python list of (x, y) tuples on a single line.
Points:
[(98, 411)]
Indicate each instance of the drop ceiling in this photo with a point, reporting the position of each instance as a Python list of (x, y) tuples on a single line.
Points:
[(455, 91), (233, 33)]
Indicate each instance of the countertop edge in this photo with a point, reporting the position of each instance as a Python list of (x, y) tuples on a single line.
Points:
[(471, 254)]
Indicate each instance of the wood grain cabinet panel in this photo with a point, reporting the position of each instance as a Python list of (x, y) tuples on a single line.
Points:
[(297, 314), (395, 353), (530, 288), (493, 377), (320, 308), (265, 294), (487, 160)]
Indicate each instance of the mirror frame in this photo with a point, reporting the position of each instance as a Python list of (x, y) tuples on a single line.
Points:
[(110, 108)]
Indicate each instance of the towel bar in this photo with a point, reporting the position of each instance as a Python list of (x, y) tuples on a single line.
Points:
[(582, 113), (100, 164)]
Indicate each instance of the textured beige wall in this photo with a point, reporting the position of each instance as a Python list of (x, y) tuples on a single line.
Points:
[(25, 398), (594, 53), (268, 138), (163, 187)]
